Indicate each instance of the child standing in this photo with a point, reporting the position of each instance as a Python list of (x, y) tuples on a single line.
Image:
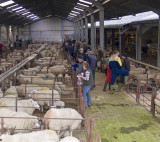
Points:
[(109, 76)]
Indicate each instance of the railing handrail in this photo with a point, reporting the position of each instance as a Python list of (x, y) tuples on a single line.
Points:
[(145, 64)]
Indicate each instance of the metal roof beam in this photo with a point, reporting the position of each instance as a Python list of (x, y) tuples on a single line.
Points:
[(148, 4)]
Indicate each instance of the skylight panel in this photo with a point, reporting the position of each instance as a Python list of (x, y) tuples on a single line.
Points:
[(26, 13), (12, 6), (75, 12), (6, 3), (86, 2), (17, 8), (30, 15), (21, 10), (82, 4), (78, 9), (36, 18)]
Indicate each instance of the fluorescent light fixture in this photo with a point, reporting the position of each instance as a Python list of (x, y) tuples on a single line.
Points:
[(31, 15), (6, 3), (48, 16), (85, 2), (12, 6), (70, 16), (26, 13), (106, 1), (82, 4), (20, 7), (75, 12), (78, 9), (21, 10), (36, 18)]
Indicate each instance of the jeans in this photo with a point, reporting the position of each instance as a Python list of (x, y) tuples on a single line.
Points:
[(86, 95)]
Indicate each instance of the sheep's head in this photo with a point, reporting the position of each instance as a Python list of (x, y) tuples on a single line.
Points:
[(36, 105)]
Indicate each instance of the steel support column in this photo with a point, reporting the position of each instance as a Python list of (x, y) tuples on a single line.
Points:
[(7, 31), (120, 42), (79, 31), (13, 33), (0, 33), (30, 31), (82, 25), (138, 42), (86, 29), (62, 30), (101, 19), (158, 56), (92, 34), (75, 31), (17, 32)]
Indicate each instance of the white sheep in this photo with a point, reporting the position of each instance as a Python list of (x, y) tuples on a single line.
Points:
[(29, 88), (62, 125), (70, 139), (12, 124), (11, 91), (60, 77), (1, 93), (39, 136), (27, 106), (67, 78), (44, 98)]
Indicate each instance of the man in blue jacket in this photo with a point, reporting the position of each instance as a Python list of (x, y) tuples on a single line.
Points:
[(92, 60)]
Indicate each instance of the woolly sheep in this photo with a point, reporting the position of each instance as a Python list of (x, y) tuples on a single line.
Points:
[(44, 97), (15, 123), (58, 69), (67, 78), (11, 91), (70, 139), (47, 76), (62, 125), (60, 78), (27, 106), (29, 88), (1, 93), (39, 136)]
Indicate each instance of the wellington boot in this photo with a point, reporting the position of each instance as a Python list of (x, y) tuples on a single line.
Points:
[(126, 80), (111, 90), (120, 85), (105, 85)]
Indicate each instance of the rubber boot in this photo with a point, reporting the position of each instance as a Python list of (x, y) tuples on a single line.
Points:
[(120, 85), (109, 86), (111, 90), (105, 85), (126, 80)]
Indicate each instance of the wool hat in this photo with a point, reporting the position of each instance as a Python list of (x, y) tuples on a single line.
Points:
[(125, 55)]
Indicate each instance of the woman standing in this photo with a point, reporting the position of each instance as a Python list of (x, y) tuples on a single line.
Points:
[(109, 74), (87, 83)]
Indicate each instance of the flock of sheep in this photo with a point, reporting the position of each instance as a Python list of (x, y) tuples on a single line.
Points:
[(39, 88)]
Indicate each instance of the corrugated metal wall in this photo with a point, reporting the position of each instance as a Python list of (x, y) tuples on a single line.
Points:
[(49, 29)]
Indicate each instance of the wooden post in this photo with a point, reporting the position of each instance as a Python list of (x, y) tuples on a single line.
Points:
[(152, 110)]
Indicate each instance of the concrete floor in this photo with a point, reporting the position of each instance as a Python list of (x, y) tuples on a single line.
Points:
[(119, 118)]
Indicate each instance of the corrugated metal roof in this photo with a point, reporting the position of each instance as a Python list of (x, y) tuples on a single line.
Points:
[(145, 16)]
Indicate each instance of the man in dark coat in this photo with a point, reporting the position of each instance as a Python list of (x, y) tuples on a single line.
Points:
[(125, 66), (92, 60)]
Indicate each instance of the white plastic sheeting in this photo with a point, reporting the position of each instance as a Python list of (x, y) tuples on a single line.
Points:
[(129, 19)]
